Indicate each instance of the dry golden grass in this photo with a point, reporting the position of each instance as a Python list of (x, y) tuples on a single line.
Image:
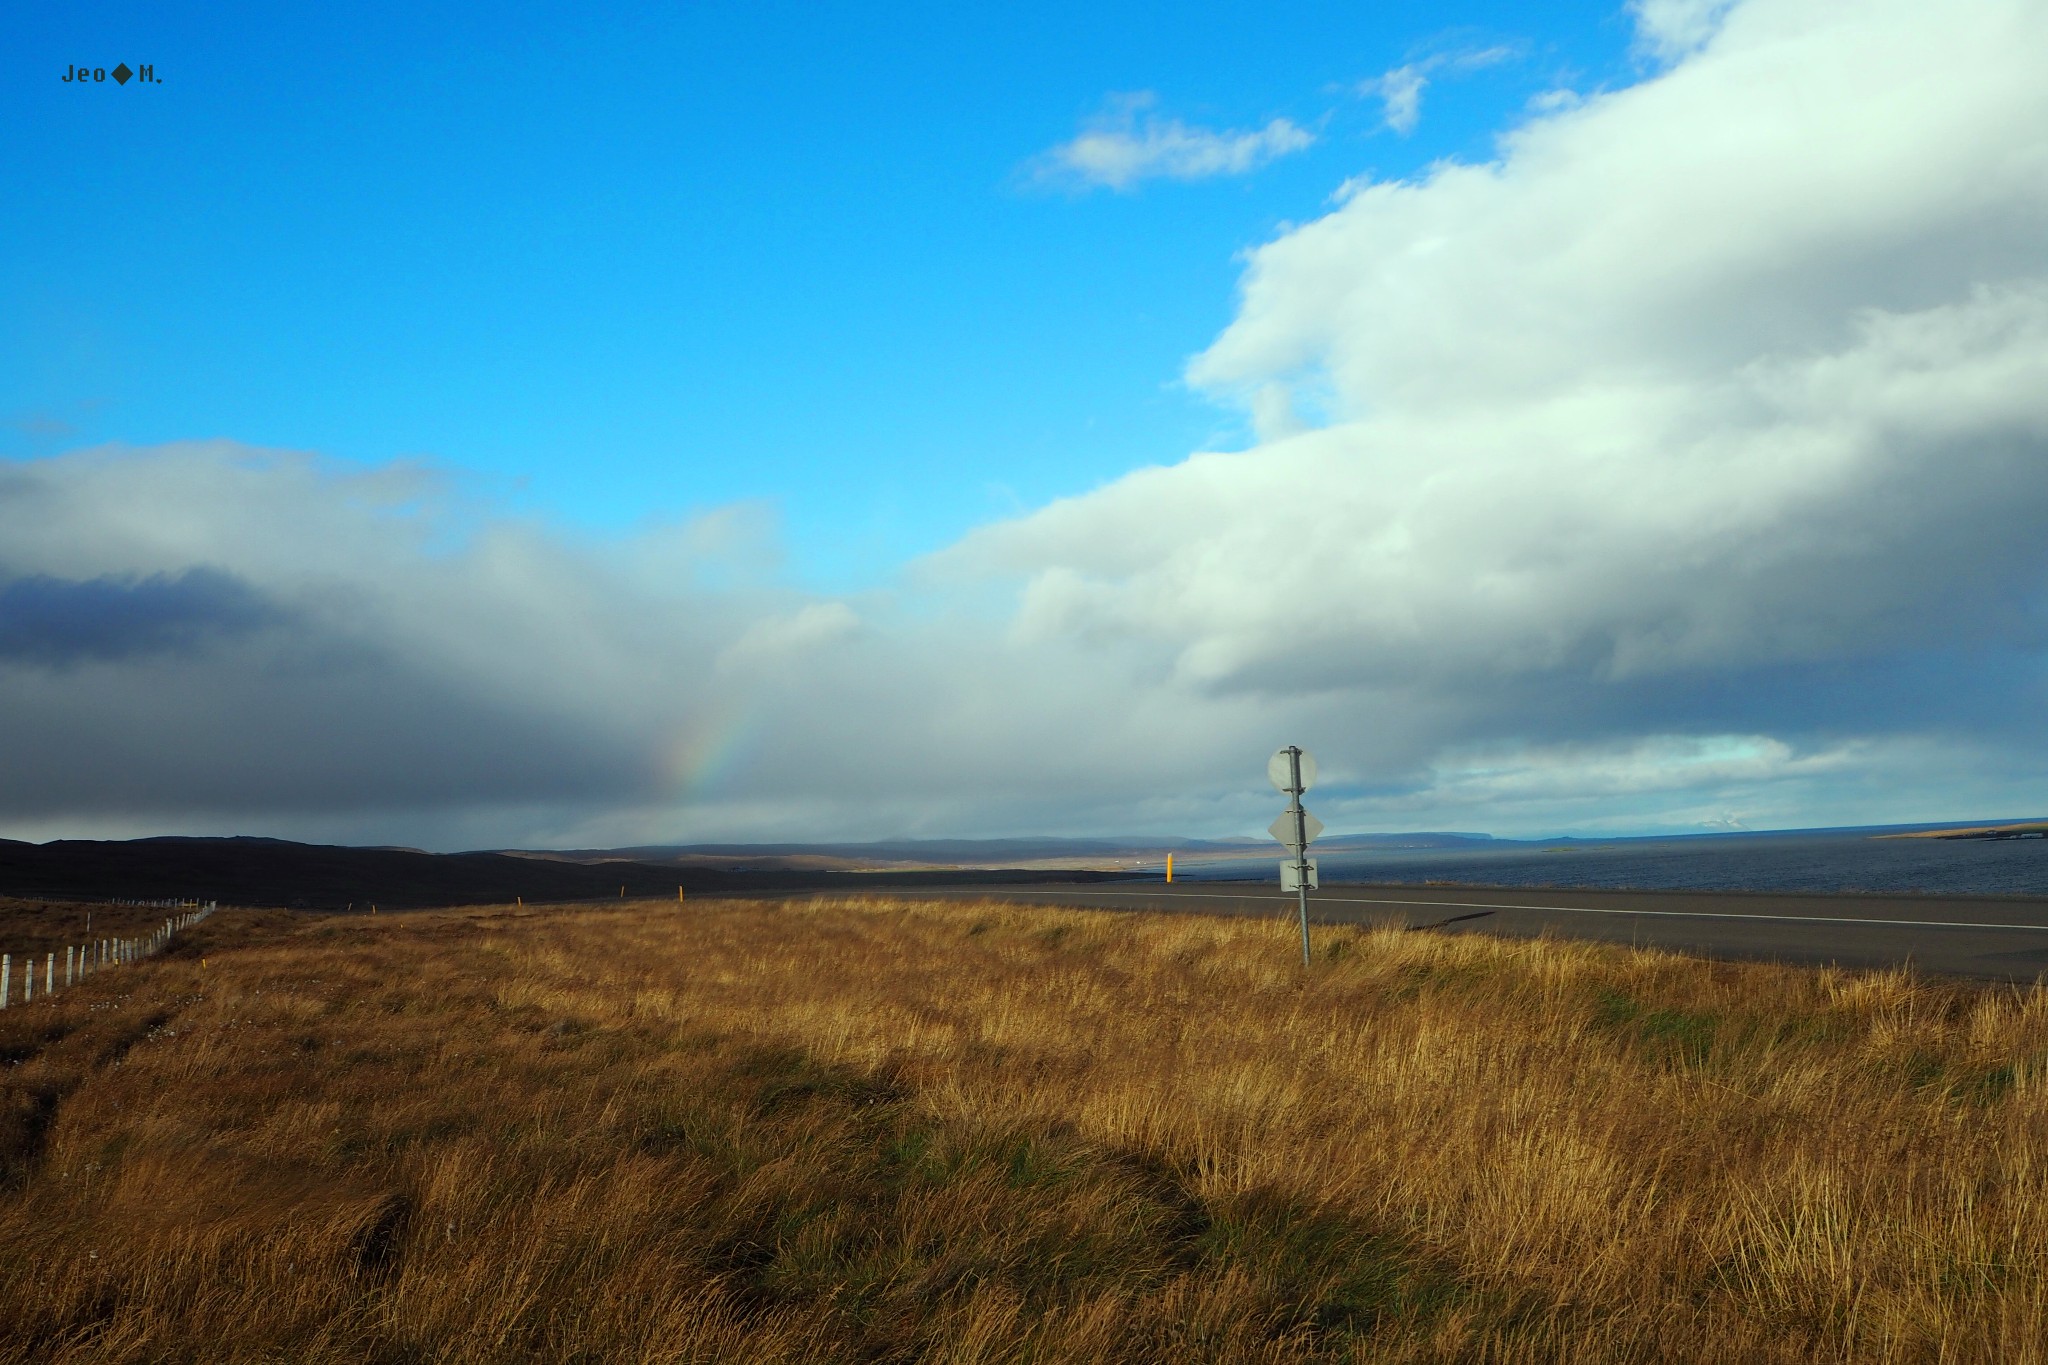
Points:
[(889, 1130)]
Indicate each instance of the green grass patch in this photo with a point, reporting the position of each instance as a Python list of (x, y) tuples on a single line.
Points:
[(1328, 1275), (1686, 1037)]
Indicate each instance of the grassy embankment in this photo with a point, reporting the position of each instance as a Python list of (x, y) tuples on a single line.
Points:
[(893, 1131)]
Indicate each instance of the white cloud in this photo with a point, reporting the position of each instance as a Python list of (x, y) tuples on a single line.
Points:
[(1691, 783), (1128, 145), (1274, 413), (781, 641), (1741, 371), (1653, 763), (1400, 90), (1667, 30)]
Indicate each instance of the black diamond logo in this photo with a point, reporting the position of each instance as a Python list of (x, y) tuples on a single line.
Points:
[(121, 73)]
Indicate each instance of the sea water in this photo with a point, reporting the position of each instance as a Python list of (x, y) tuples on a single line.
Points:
[(1807, 860)]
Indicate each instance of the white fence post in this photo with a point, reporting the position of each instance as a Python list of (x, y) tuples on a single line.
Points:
[(6, 971)]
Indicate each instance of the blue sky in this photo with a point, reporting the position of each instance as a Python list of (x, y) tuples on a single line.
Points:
[(627, 265), (578, 428)]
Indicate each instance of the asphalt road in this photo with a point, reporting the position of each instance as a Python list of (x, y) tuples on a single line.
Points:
[(2001, 938)]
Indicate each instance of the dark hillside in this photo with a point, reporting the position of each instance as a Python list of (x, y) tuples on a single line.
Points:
[(242, 871)]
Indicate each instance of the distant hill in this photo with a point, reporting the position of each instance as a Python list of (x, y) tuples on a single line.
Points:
[(249, 871), (988, 853), (923, 852), (256, 871), (2022, 829), (1439, 840)]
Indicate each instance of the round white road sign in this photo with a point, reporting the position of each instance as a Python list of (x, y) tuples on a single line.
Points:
[(1282, 772)]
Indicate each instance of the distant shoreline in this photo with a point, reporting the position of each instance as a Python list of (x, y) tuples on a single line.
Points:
[(2031, 829)]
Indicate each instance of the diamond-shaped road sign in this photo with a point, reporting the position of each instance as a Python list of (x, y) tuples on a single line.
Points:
[(1283, 828), (1281, 771)]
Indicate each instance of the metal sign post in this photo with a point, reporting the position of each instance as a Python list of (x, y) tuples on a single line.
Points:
[(1293, 770)]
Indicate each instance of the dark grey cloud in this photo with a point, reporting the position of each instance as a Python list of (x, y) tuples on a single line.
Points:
[(217, 637), (58, 621)]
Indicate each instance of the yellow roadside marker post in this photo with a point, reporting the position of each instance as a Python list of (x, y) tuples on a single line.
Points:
[(1169, 869)]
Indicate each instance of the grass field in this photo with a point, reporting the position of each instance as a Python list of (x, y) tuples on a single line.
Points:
[(884, 1130)]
